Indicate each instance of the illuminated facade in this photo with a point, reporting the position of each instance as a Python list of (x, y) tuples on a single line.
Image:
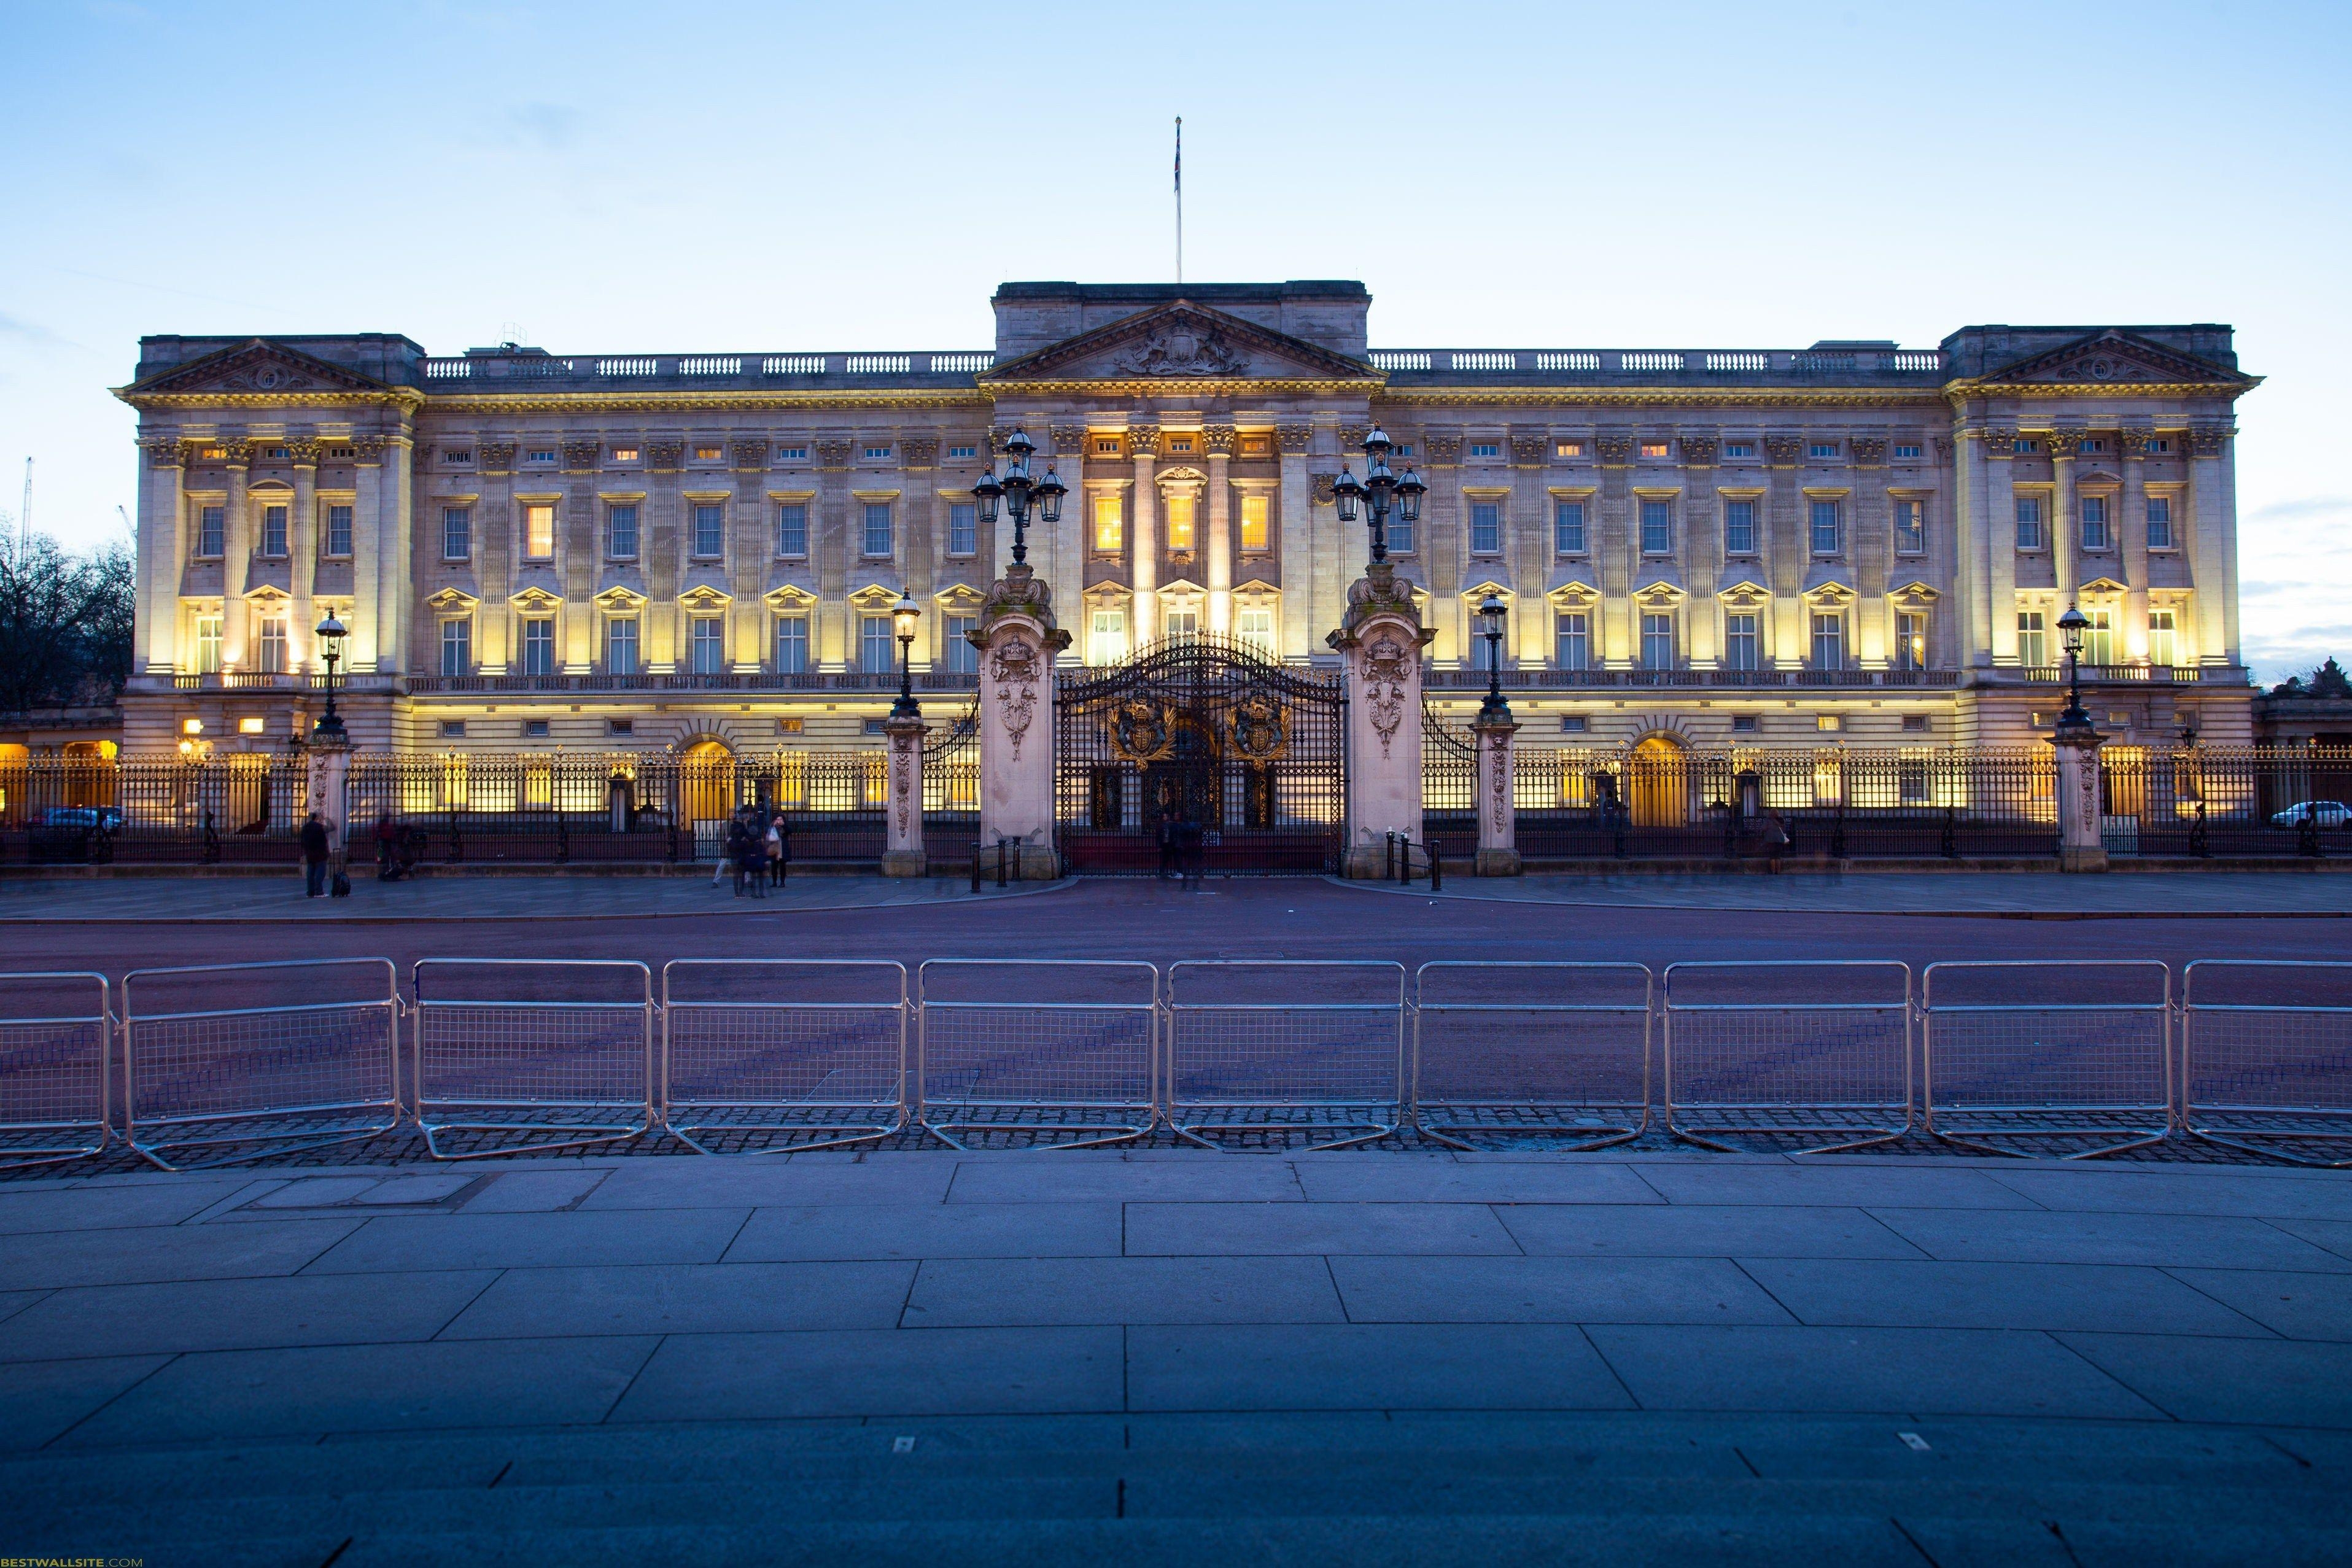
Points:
[(536, 551)]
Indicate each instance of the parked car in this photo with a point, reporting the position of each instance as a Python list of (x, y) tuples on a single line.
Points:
[(2318, 813), (64, 831)]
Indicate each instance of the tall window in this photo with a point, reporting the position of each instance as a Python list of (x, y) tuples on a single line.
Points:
[(792, 527), (1572, 641), (1657, 640), (1254, 523), (621, 645), (877, 528), (1567, 528), (1739, 649), (457, 647), (1825, 516), (1180, 523), (1910, 527), (1183, 626), (2095, 522), (2032, 639), (273, 530), (339, 531), (1486, 527), (963, 527), (709, 530), (1657, 528), (1107, 636), (709, 646), (538, 646), (211, 528), (1829, 641), (269, 648), (791, 645), (2099, 637), (1910, 639), (1400, 535), (2159, 523), (456, 532), (1739, 528), (621, 533), (539, 531), (1254, 628), (2029, 523), (2163, 638), (957, 655), (208, 643), (877, 650), (1110, 525)]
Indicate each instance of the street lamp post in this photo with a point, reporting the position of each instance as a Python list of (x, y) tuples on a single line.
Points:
[(1017, 491), (1378, 492), (2071, 627), (1494, 710), (331, 633), (906, 612), (2080, 847)]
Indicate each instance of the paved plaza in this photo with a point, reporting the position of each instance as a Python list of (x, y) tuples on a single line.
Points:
[(1367, 1357)]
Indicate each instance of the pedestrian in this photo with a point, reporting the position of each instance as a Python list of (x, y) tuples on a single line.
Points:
[(732, 850), (387, 836), (753, 873), (1192, 850), (771, 851), (780, 853), (314, 856), (726, 855), (1168, 842)]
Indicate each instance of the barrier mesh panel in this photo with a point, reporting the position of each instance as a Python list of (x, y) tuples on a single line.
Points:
[(1518, 1050), (2047, 1051), (2267, 1053), (53, 1059), (1823, 1048)]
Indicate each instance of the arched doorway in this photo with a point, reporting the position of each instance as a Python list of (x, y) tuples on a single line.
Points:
[(1658, 791), (707, 777)]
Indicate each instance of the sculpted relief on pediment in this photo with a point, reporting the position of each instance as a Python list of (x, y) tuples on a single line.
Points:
[(1182, 342), (1181, 348)]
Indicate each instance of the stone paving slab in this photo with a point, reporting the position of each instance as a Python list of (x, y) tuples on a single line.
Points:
[(2291, 888), (936, 1372), (2298, 1306), (238, 1314), (1081, 1228), (1826, 1292), (1553, 1290), (1701, 1230), (2083, 1236)]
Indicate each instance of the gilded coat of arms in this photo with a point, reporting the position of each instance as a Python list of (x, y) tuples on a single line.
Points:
[(1259, 733), (1143, 732)]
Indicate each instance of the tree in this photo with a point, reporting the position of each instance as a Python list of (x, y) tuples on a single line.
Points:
[(2328, 680), (64, 623)]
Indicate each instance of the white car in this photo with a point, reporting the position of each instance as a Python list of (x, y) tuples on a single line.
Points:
[(2319, 813)]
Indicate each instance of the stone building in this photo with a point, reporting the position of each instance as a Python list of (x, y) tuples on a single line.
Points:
[(537, 551)]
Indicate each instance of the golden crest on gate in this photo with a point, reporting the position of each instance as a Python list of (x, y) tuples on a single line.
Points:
[(1260, 735), (1141, 731)]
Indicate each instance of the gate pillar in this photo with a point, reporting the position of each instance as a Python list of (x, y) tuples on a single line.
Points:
[(2080, 847), (327, 764), (1017, 640), (1499, 845), (1381, 637), (902, 846)]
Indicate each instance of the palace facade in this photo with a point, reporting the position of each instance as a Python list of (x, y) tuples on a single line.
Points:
[(536, 550)]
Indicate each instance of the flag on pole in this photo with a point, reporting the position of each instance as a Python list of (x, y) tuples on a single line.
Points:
[(1179, 154), (1180, 198)]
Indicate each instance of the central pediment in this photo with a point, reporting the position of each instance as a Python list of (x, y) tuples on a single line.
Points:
[(1182, 341), (258, 365), (2115, 357)]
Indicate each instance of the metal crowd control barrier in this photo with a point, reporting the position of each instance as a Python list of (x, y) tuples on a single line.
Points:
[(54, 1029), (565, 1070), (812, 1052), (1574, 1064), (206, 1068), (1823, 1052), (1050, 1048), (2254, 1073), (2047, 1049), (1244, 1065)]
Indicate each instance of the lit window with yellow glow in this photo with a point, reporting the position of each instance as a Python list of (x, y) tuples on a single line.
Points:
[(1110, 525), (1180, 523), (251, 726), (1254, 523), (539, 532)]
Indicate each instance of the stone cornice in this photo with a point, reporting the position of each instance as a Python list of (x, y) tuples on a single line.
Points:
[(1959, 393), (400, 397), (1662, 396), (1170, 388), (702, 402)]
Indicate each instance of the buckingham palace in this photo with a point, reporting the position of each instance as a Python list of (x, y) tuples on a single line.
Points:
[(535, 550)]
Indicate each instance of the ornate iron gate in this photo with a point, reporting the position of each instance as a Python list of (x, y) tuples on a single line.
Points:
[(1207, 733)]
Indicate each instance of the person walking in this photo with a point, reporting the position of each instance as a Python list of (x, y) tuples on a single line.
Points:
[(732, 850), (725, 865), (314, 856), (1169, 843), (779, 847), (387, 836)]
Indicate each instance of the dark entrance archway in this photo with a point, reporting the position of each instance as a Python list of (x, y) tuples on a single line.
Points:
[(1208, 732)]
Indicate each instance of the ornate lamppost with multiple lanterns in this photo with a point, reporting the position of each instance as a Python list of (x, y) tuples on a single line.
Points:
[(1379, 492), (331, 633), (905, 613), (1491, 612), (1017, 491)]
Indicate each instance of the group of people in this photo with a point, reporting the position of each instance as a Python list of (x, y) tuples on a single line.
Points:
[(758, 849)]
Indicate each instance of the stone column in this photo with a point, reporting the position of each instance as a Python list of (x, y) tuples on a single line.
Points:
[(1997, 447), (751, 546), (2131, 446), (1219, 440), (394, 575), (1143, 530), (1295, 542), (666, 548), (2079, 847), (1018, 640), (2066, 527), (327, 763), (367, 558), (832, 551), (162, 557), (1699, 550), (2212, 533), (1380, 640), (1785, 551), (236, 556), (1870, 550), (1529, 547), (1073, 537), (902, 854), (1498, 847), (302, 556), (1959, 469)]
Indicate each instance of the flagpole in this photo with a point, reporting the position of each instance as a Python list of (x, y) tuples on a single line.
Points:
[(1180, 198)]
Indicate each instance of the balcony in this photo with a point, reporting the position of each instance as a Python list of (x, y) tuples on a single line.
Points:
[(254, 680), (1777, 680), (945, 681), (1655, 367), (2142, 674), (492, 373)]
